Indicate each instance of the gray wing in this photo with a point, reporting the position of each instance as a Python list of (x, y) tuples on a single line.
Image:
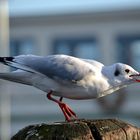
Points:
[(56, 66), (95, 63)]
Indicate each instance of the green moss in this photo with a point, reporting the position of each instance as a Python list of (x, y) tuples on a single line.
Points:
[(79, 130), (64, 131)]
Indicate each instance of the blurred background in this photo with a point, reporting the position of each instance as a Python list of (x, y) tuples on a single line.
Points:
[(108, 31)]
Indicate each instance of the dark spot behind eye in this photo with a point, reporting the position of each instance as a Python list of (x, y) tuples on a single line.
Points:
[(117, 72)]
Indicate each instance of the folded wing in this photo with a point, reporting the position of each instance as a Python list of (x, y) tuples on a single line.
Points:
[(61, 67)]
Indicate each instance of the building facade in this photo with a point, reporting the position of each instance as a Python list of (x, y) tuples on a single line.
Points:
[(109, 37)]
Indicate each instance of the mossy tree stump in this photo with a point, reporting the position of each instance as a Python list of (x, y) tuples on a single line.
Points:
[(106, 129)]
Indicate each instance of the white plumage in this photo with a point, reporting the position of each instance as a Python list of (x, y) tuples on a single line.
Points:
[(69, 77)]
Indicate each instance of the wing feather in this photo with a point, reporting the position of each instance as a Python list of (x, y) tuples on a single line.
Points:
[(56, 66)]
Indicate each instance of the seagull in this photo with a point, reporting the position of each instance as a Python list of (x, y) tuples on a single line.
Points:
[(69, 77)]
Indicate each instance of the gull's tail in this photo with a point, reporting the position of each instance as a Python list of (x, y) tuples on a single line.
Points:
[(8, 61), (22, 75), (4, 60), (11, 61), (17, 76)]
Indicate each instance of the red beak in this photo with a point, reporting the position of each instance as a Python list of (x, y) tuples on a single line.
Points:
[(135, 75), (137, 80)]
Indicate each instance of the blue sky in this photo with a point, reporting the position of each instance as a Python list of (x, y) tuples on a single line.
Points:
[(53, 7)]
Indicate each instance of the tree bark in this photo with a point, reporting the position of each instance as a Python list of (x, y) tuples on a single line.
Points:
[(106, 129)]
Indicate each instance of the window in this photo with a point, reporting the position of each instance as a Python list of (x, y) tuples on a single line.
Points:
[(18, 47), (135, 49), (129, 50), (83, 48)]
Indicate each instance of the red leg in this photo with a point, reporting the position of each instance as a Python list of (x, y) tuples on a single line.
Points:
[(67, 111)]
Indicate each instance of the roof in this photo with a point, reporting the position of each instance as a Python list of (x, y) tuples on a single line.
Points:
[(58, 7)]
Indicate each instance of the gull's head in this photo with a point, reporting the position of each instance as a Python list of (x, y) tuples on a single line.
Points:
[(122, 74)]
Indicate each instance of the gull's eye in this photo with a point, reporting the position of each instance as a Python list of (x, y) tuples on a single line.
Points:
[(127, 70)]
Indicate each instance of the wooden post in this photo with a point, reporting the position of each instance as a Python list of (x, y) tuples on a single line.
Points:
[(106, 129)]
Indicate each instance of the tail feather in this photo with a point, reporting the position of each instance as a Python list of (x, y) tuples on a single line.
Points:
[(18, 77), (11, 61), (23, 75), (5, 59)]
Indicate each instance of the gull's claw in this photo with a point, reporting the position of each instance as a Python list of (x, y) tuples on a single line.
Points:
[(67, 111)]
